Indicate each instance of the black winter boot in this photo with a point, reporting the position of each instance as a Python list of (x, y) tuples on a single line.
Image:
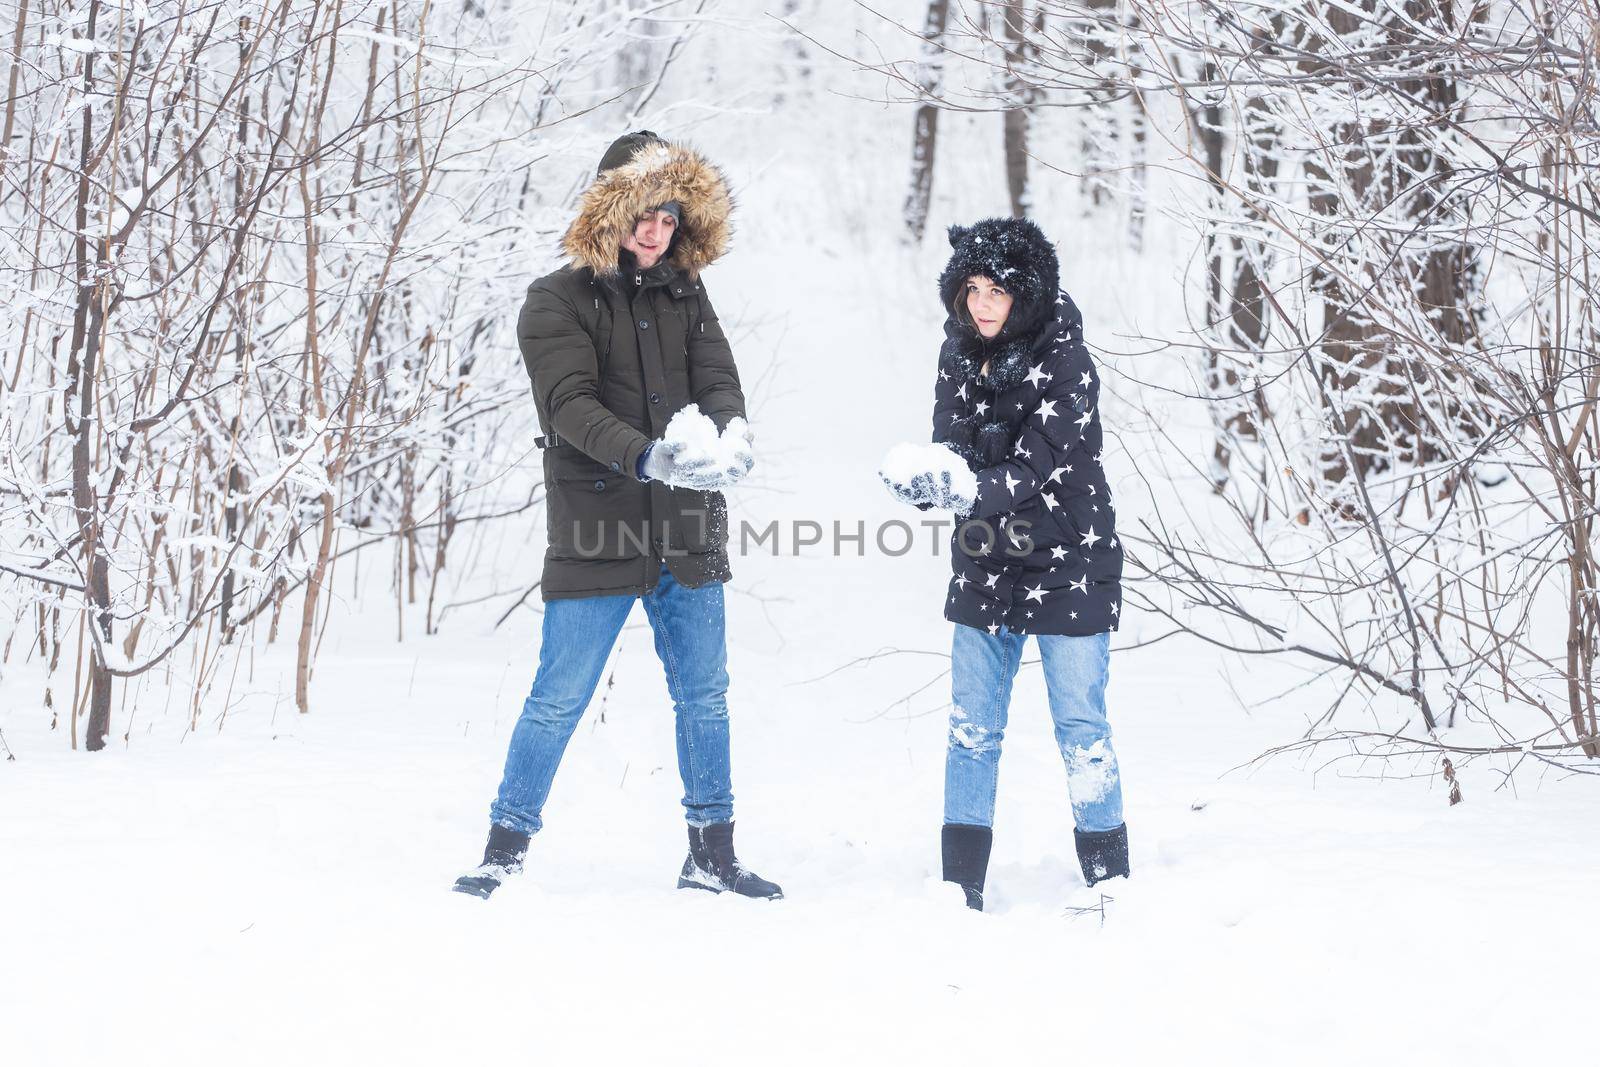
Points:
[(712, 865), (1102, 853), (502, 856), (966, 858)]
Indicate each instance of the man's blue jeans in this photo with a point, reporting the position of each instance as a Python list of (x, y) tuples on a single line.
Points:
[(690, 632), (982, 667)]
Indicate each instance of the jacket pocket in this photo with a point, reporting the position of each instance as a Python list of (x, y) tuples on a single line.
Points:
[(1087, 535), (598, 515), (697, 521), (569, 462)]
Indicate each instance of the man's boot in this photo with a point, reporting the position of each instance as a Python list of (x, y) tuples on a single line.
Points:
[(712, 865), (502, 856), (966, 859), (1102, 853)]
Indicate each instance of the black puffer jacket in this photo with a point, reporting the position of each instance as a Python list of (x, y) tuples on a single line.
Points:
[(612, 359), (1038, 553)]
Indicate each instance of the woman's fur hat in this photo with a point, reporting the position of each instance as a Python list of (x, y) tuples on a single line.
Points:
[(1016, 255)]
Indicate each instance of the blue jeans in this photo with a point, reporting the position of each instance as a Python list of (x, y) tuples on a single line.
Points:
[(982, 667), (691, 643)]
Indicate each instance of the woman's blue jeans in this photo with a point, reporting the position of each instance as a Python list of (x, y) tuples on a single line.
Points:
[(982, 667), (690, 633)]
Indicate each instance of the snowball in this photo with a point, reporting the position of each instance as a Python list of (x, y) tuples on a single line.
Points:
[(691, 432), (905, 461)]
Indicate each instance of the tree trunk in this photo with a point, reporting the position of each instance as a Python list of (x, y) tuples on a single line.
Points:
[(308, 610), (1372, 167), (925, 132), (82, 375), (1018, 117), (1236, 297)]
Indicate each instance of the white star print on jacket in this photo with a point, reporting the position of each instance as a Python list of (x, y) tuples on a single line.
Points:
[(1045, 558)]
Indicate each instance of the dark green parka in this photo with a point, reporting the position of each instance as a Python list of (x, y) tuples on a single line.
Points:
[(612, 358)]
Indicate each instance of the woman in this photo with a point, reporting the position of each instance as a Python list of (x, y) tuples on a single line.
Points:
[(1035, 550)]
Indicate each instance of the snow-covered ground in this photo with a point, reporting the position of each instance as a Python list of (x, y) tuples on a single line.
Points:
[(277, 888)]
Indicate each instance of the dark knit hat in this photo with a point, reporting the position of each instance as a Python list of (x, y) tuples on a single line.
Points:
[(623, 148), (673, 208), (1017, 256)]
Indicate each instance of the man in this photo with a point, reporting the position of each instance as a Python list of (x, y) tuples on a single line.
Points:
[(616, 343)]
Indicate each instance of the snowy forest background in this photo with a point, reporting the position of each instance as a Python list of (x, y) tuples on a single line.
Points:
[(270, 518)]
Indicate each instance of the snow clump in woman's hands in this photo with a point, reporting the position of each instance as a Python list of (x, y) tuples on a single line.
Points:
[(929, 475)]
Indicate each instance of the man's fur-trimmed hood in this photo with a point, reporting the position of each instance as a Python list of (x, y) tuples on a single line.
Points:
[(658, 172)]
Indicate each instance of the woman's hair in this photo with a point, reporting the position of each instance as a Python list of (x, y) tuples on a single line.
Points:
[(958, 308)]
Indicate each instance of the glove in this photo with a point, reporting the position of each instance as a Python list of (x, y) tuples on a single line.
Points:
[(946, 496), (919, 491), (929, 489), (686, 468), (743, 440)]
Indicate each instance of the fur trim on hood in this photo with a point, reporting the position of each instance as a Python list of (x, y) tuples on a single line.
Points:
[(658, 172), (964, 352)]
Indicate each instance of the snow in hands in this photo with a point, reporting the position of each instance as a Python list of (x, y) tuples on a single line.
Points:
[(694, 455), (929, 474)]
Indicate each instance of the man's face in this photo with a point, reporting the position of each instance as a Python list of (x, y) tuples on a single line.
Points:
[(650, 237)]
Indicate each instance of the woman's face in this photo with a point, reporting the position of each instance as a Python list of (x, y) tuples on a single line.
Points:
[(988, 304)]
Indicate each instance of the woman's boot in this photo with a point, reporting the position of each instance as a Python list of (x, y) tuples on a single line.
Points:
[(1102, 853), (966, 859)]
